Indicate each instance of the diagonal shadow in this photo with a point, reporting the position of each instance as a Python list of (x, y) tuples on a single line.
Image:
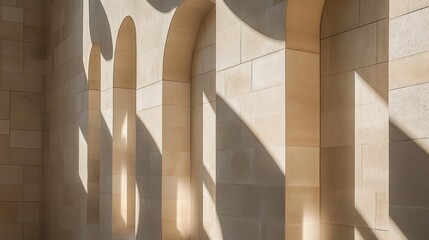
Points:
[(149, 185), (250, 187), (165, 5), (248, 11), (100, 28), (409, 184)]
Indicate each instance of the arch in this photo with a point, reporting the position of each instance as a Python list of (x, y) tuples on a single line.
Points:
[(93, 141), (125, 64), (182, 35), (176, 147), (124, 132), (303, 19), (203, 132), (326, 77), (354, 120)]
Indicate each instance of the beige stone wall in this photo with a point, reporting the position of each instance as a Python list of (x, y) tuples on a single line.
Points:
[(303, 119), (250, 119), (204, 220), (22, 75), (354, 120), (408, 108), (71, 106), (233, 124)]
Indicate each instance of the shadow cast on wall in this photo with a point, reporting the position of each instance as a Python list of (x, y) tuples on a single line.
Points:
[(100, 28), (409, 184), (165, 5), (250, 187), (249, 13), (149, 185), (402, 172)]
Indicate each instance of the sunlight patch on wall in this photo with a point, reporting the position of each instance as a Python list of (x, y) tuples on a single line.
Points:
[(124, 193), (183, 207), (83, 160)]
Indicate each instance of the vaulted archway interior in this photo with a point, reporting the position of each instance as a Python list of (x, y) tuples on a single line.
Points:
[(337, 120), (93, 116), (354, 120), (204, 219), (303, 118), (124, 132), (180, 169)]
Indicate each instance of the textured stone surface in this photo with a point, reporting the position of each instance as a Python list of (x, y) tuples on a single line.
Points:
[(406, 41), (224, 120), (22, 75), (354, 121), (409, 111)]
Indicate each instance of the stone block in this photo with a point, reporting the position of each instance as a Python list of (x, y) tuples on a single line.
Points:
[(302, 167), (26, 139), (268, 71), (409, 71), (408, 173), (405, 41), (373, 10), (28, 212), (228, 47), (238, 80), (25, 102), (347, 11), (7, 212), (4, 104), (349, 50)]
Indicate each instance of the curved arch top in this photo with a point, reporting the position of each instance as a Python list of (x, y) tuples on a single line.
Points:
[(181, 39), (124, 131), (125, 63), (99, 28), (94, 66), (248, 11), (93, 141), (303, 19)]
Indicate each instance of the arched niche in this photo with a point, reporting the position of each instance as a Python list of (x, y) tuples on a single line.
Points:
[(354, 160), (303, 19), (176, 147), (204, 219), (332, 59), (93, 140), (124, 132)]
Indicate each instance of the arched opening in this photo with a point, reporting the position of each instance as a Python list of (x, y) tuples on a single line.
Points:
[(336, 120), (204, 221), (124, 132), (250, 119), (354, 120), (237, 180), (93, 140), (180, 174), (303, 118)]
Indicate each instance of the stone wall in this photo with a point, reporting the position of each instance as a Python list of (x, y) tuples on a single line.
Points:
[(203, 119), (408, 108), (204, 221), (250, 119), (22, 76), (354, 120)]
